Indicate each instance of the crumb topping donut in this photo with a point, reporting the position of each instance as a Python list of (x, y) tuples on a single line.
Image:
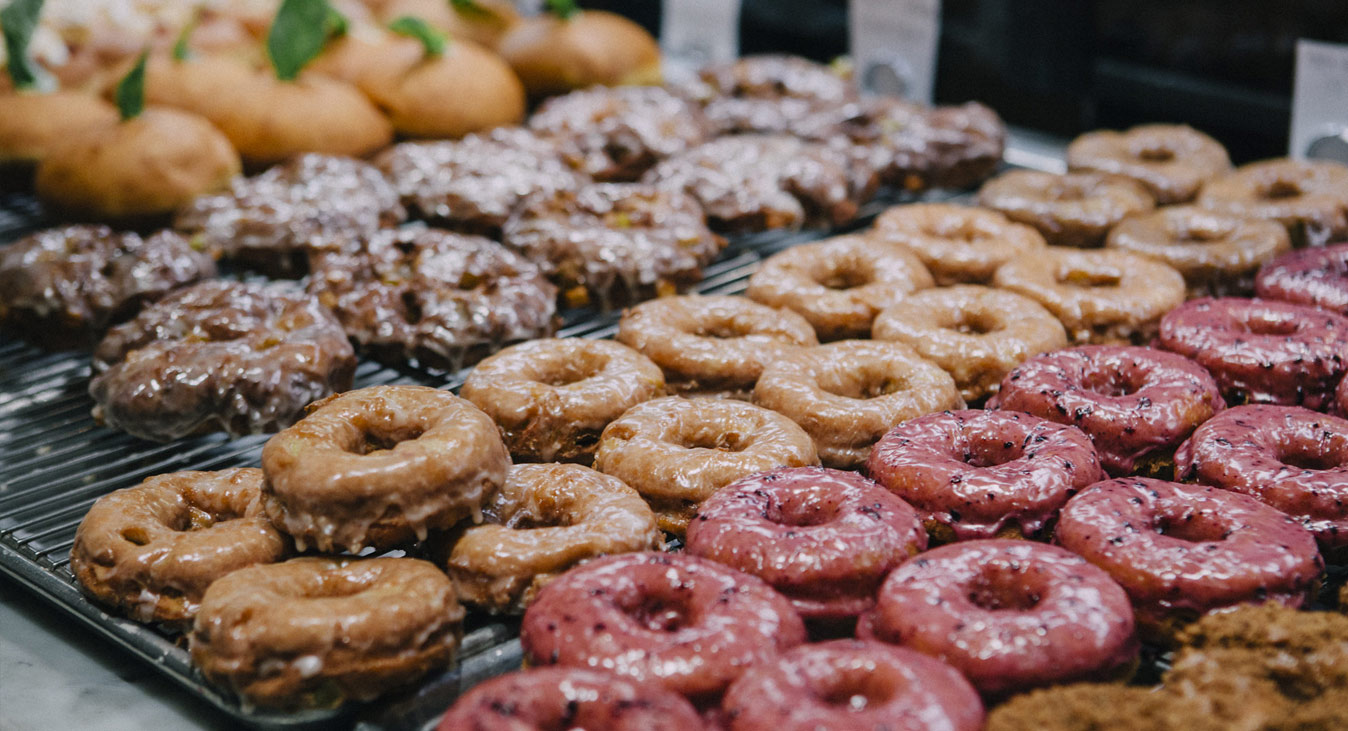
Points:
[(847, 394), (673, 620), (958, 244), (315, 632), (1076, 209), (767, 93), (676, 452), (839, 284), (1171, 160), (219, 356), (443, 298), (1010, 615), (1288, 457), (853, 531), (1262, 351), (151, 550), (1216, 253), (976, 334), (1316, 277), (984, 474), (1309, 197), (552, 398), (554, 697), (381, 466), (1183, 550), (614, 243), (712, 343), (1104, 297), (1136, 404), (851, 684)]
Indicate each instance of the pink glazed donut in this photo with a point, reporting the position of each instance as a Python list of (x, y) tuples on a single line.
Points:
[(1317, 277)]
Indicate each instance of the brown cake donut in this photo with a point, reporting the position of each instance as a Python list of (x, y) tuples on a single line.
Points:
[(767, 93), (1076, 209), (151, 550), (1309, 197), (1103, 297), (847, 394), (975, 333), (553, 398), (958, 244), (838, 284), (1171, 160)]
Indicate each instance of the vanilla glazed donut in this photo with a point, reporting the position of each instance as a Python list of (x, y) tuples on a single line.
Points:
[(958, 244), (1171, 160), (1076, 209), (1309, 197)]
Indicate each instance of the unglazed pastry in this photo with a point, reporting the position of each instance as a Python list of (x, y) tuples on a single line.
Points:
[(1171, 160), (958, 244), (1076, 209)]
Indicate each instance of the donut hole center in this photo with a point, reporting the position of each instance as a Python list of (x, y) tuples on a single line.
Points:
[(720, 441), (845, 278), (1265, 326), (660, 611), (1155, 153), (136, 536), (1280, 190), (723, 330), (1111, 383), (1000, 587), (801, 513), (854, 689), (412, 312), (1190, 527), (1083, 278), (976, 323), (990, 452), (381, 440), (1302, 458), (864, 383), (569, 373)]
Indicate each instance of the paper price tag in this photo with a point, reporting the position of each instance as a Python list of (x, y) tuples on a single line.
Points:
[(894, 45), (694, 33), (1320, 101)]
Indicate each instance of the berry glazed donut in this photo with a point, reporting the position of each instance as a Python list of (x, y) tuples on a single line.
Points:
[(1216, 253), (1316, 277), (672, 620), (1136, 404), (676, 452), (1076, 209), (1262, 351), (552, 398), (151, 550), (1010, 615), (381, 467), (316, 632), (853, 531), (838, 284), (975, 334), (851, 685), (1181, 551), (959, 244), (712, 344), (1288, 457), (847, 394), (574, 698), (1171, 160), (544, 520), (1342, 398), (1105, 297), (1309, 197), (984, 474)]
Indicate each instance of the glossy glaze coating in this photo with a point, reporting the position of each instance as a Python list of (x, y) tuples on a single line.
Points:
[(767, 93), (984, 474), (685, 623), (151, 550), (1076, 209), (1261, 351), (552, 398), (847, 394), (1316, 277), (823, 538), (1342, 399), (381, 467), (1309, 197), (958, 244), (1171, 160), (545, 519), (219, 356), (851, 685), (316, 632)]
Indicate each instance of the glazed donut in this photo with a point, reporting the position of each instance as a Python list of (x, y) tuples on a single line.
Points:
[(676, 452), (1010, 615), (151, 550), (853, 531), (838, 284), (1076, 209), (1309, 197), (855, 685), (1171, 160), (1136, 404), (553, 398), (685, 623), (1183, 550), (712, 343), (1262, 351), (552, 697), (984, 474), (1342, 399), (544, 520), (1216, 253), (767, 92), (1290, 458), (380, 467), (959, 244), (1316, 277), (975, 333), (1106, 297), (847, 394), (319, 631)]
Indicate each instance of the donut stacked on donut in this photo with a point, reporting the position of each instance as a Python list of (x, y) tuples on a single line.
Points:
[(1309, 197), (1076, 209), (1172, 161)]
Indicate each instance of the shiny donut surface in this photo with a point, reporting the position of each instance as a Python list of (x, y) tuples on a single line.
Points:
[(959, 244), (1217, 253), (1171, 160), (1309, 197), (1315, 277), (1076, 209)]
